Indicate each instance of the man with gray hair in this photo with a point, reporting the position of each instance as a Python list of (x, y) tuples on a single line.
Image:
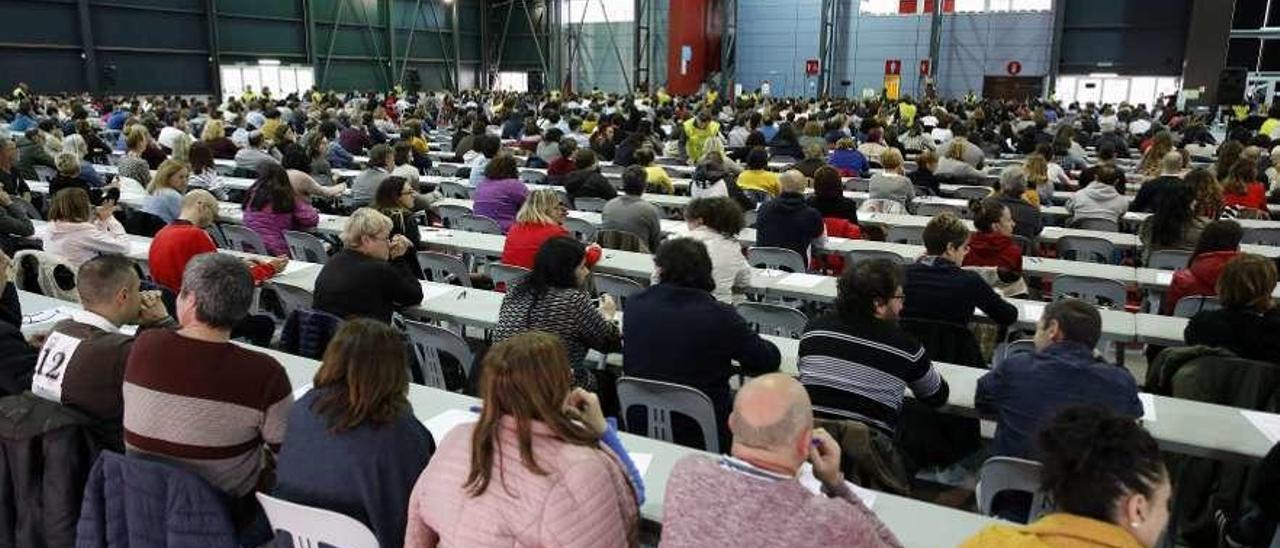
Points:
[(194, 397), (755, 495), (787, 221), (1153, 190), (1026, 217)]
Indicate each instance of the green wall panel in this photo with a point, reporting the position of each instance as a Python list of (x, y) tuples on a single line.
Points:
[(57, 23), (122, 27), (273, 8), (249, 35)]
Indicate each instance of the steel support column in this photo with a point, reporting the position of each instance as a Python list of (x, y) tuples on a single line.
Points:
[(390, 68), (457, 48), (486, 71), (935, 44), (88, 53), (643, 44), (729, 49), (827, 45), (309, 30), (1055, 53), (211, 21)]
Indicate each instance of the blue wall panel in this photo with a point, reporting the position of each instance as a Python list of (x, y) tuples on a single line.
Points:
[(774, 40)]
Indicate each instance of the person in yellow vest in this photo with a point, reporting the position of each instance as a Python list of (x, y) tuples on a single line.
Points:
[(1108, 482), (1241, 112), (712, 95), (248, 94), (1272, 123), (697, 130), (664, 98), (907, 111)]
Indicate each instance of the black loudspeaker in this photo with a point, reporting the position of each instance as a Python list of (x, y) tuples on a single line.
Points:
[(413, 81), (1231, 86), (536, 84), (109, 75)]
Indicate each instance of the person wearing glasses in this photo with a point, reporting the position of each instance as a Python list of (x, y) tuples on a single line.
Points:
[(856, 362), (359, 281)]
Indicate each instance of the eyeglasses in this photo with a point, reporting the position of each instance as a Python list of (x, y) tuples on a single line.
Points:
[(899, 297)]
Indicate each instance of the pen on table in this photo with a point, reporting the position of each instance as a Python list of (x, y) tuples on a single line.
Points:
[(461, 295)]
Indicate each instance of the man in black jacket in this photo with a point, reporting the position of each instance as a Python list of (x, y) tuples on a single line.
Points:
[(787, 221), (937, 289), (17, 357)]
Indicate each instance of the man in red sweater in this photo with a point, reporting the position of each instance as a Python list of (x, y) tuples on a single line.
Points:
[(185, 238)]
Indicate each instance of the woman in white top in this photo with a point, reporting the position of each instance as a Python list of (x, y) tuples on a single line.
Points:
[(79, 231), (716, 223)]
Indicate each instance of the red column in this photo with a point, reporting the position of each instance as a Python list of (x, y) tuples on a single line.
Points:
[(688, 45)]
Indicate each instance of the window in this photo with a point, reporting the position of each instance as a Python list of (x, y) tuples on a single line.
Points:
[(878, 7), (1032, 5), (594, 11), (283, 80), (513, 81), (969, 5), (1115, 89), (914, 7)]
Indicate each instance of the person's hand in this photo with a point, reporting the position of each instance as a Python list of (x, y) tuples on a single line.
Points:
[(152, 310), (608, 307), (5, 263), (105, 210), (824, 455), (584, 406), (5, 199), (279, 263), (400, 245)]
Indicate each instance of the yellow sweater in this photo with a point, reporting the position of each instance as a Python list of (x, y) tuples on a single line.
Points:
[(657, 177), (697, 137), (760, 180), (1054, 531)]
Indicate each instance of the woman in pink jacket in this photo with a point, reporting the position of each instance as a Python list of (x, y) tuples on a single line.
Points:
[(273, 207), (542, 467)]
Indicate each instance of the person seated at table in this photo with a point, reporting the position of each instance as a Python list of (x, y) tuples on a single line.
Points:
[(1100, 199), (352, 444), (298, 165), (856, 362), (993, 244), (1040, 177), (254, 157), (197, 400), (204, 173), (890, 183), (93, 372), (708, 498), (924, 176), (271, 207), (486, 148), (1174, 225), (677, 332), (336, 155), (359, 281), (402, 156), (541, 466), (563, 164), (501, 193), (787, 221), (1219, 243), (1026, 390), (952, 164), (395, 200), (365, 185), (175, 244), (549, 147), (1246, 325), (69, 176), (552, 298), (814, 158), (938, 289), (847, 159), (716, 223), (80, 231), (17, 355), (354, 137), (132, 165), (1106, 158), (874, 147), (1241, 189), (76, 146), (757, 181), (630, 213), (1015, 195), (1153, 191), (539, 219), (839, 212), (586, 180), (656, 178), (214, 134), (1107, 479), (164, 193)]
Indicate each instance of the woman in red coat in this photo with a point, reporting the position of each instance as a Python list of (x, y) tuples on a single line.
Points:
[(539, 219), (993, 243), (1241, 188), (1219, 243)]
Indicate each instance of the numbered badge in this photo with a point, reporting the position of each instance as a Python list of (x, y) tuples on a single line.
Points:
[(51, 366)]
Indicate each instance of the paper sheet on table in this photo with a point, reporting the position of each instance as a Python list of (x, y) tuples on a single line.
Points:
[(295, 266), (1148, 406), (1267, 423), (807, 479), (801, 280), (436, 234), (47, 316), (441, 424), (1032, 311), (1164, 278), (642, 461), (433, 290), (301, 391)]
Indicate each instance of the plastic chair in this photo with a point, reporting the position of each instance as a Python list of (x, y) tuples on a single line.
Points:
[(220, 240), (1261, 236), (563, 196), (617, 287), (621, 240), (45, 173), (454, 189), (749, 218), (428, 341), (292, 298), (1101, 225), (588, 203), (857, 184), (999, 474), (881, 205), (930, 209), (1168, 259), (1098, 291), (858, 255), (477, 223), (444, 268), (775, 258), (240, 238), (310, 526), (661, 400), (972, 192), (905, 235), (1189, 306), (1086, 249), (450, 213), (582, 230), (1028, 248), (1004, 350), (529, 176), (773, 319), (506, 273), (305, 247)]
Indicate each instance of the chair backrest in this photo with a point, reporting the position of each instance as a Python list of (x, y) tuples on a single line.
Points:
[(773, 319), (1099, 291), (589, 203), (972, 192), (913, 235), (1004, 350), (46, 274), (428, 341), (242, 238), (454, 189), (310, 526), (1000, 474), (1086, 249), (617, 287), (1168, 259), (219, 239), (1261, 236), (450, 213), (506, 273), (45, 173), (856, 256), (1191, 305), (930, 209), (776, 258), (532, 176), (477, 223), (291, 297), (563, 196), (1093, 223), (857, 184), (141, 223), (882, 205), (444, 268), (582, 230), (621, 240), (1028, 248), (749, 218), (663, 399), (305, 247), (946, 341)]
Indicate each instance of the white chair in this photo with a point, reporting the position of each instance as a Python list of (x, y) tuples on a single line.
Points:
[(776, 258), (305, 247), (972, 192), (454, 189), (292, 298), (1168, 259), (443, 268), (450, 213), (506, 273), (310, 526), (45, 173), (1004, 350), (1096, 291), (477, 223), (999, 474), (582, 230), (660, 401), (617, 287), (773, 319), (241, 238), (1261, 236), (1189, 306), (1101, 225), (881, 205), (930, 209), (588, 203), (853, 257), (913, 235), (1086, 249), (428, 342)]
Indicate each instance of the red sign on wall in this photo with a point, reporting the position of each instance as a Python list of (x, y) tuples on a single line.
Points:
[(1013, 68), (812, 67), (893, 66), (924, 67)]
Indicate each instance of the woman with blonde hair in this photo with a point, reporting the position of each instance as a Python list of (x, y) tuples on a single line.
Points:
[(540, 218), (133, 165), (181, 150), (1036, 166), (76, 145), (952, 164), (164, 193), (359, 282), (1161, 144), (215, 135), (523, 473)]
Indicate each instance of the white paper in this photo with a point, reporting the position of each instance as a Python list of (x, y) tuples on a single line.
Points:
[(642, 461), (295, 266), (771, 273), (51, 366), (1148, 406), (436, 234), (433, 290), (301, 391), (806, 478), (1267, 423), (1164, 278), (47, 316), (802, 280), (1032, 311), (441, 424)]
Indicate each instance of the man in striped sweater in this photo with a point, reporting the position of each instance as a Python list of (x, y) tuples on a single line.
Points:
[(198, 399), (856, 362)]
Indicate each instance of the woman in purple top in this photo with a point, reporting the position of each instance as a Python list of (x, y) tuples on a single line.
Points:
[(501, 193), (272, 207)]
